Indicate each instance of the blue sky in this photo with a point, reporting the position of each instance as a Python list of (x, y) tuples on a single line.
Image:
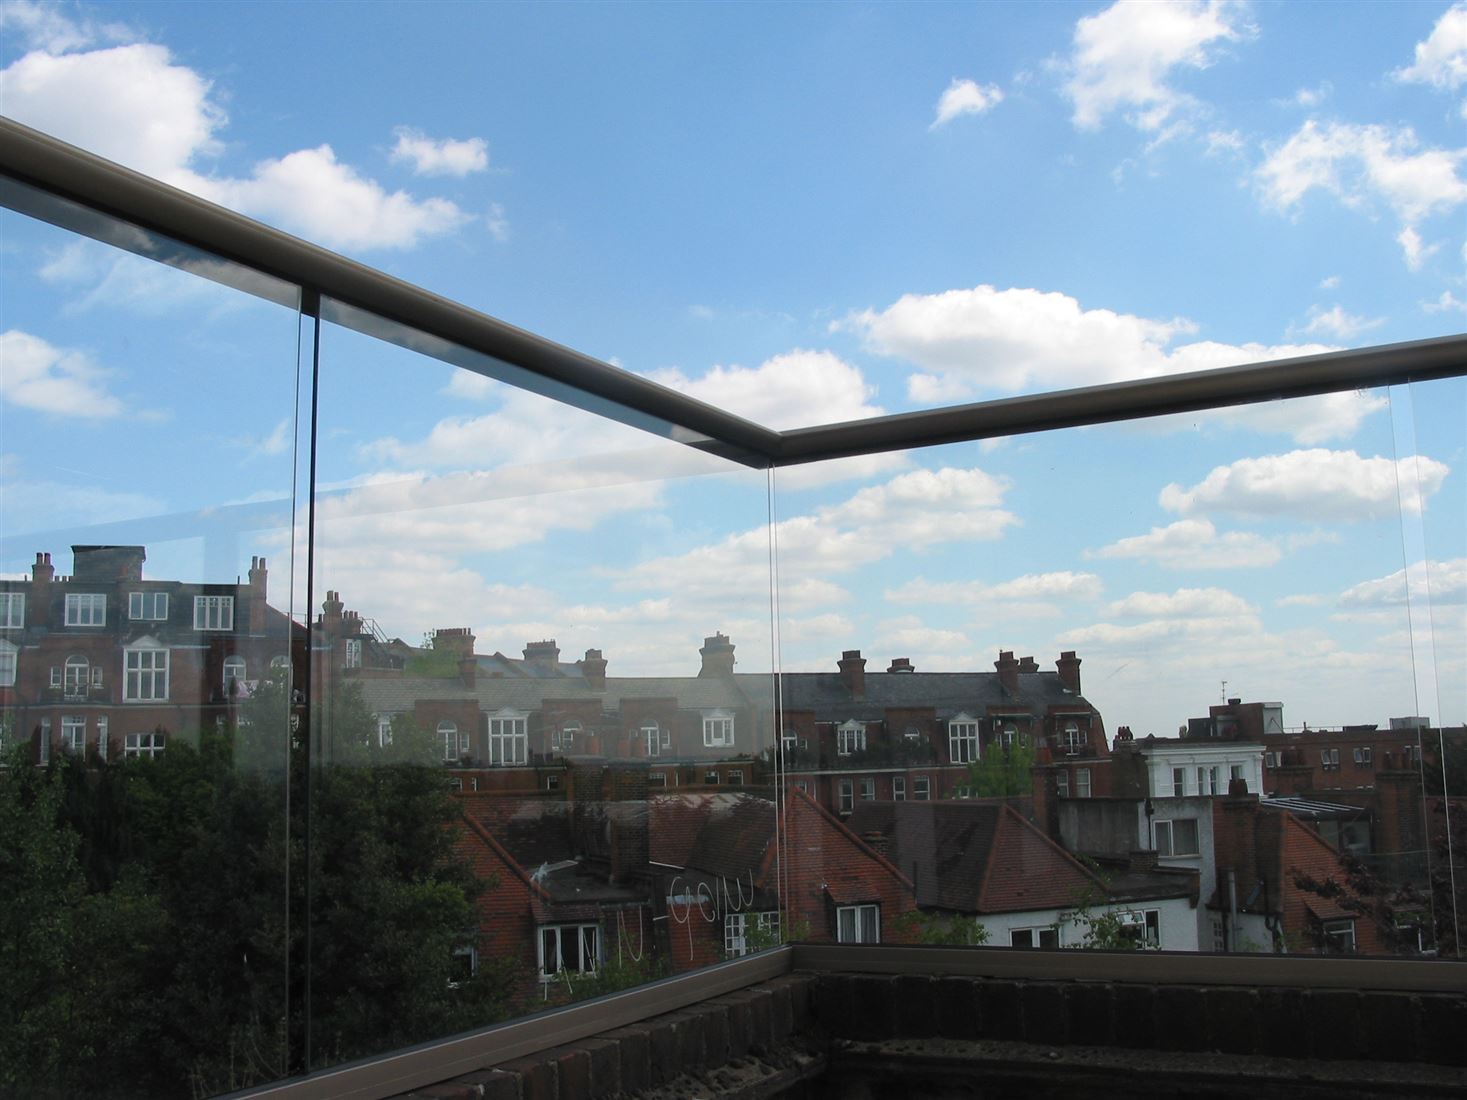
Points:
[(803, 213)]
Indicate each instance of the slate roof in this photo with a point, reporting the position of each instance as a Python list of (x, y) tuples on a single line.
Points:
[(398, 694), (975, 856), (721, 834), (949, 692)]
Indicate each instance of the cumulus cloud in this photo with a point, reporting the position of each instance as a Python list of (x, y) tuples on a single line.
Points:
[(795, 389), (1318, 485), (1339, 323), (1441, 60), (1184, 603), (38, 375), (1426, 583), (1413, 249), (1060, 585), (1447, 303), (1194, 544), (135, 105), (1361, 165), (910, 511), (972, 342), (964, 97), (1126, 57), (440, 157)]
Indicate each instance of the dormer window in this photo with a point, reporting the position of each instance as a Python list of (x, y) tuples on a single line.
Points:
[(213, 612), (509, 741), (656, 738), (148, 606), (1074, 738), (86, 609), (962, 739), (8, 659), (718, 729), (851, 737), (12, 610)]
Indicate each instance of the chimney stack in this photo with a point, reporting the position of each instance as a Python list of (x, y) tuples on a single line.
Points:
[(1008, 671), (543, 656), (718, 657), (259, 580), (331, 613), (853, 672), (1069, 671), (901, 664), (593, 668), (108, 564), (42, 574), (1028, 664)]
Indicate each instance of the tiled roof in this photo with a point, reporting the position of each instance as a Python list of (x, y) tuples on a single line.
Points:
[(392, 694), (721, 834), (948, 692), (974, 856)]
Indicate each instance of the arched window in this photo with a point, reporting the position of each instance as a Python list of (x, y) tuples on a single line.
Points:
[(454, 745), (234, 675), (78, 675)]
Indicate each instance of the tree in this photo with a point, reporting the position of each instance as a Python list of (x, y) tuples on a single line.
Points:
[(950, 929), (1000, 773)]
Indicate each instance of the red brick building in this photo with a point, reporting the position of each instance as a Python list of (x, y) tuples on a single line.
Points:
[(109, 662)]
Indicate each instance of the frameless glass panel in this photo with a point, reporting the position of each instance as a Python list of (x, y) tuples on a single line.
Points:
[(149, 420), (1426, 900), (1231, 584), (522, 593)]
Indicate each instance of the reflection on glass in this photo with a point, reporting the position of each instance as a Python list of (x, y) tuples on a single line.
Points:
[(146, 644), (539, 771), (1238, 769)]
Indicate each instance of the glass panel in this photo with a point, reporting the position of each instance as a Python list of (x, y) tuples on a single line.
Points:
[(149, 422), (1232, 585), (493, 568)]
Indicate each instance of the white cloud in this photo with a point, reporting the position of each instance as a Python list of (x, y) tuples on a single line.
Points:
[(1446, 303), (1338, 323), (133, 104), (1308, 420), (42, 26), (968, 342), (312, 193), (1313, 97), (36, 502), (1441, 60), (1413, 250), (1358, 164), (442, 157), (1302, 600), (1224, 141), (1194, 544), (964, 97), (277, 442), (1062, 585), (497, 223), (1184, 603), (1430, 584), (38, 375), (792, 390), (1317, 485), (1329, 282), (1125, 58)]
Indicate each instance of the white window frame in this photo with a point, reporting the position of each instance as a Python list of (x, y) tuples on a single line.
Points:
[(1148, 921), (9, 663), (1036, 935), (384, 730), (858, 923), (102, 736), (74, 733), (710, 777), (455, 743), (45, 740), (213, 612), (1179, 782), (921, 788), (898, 788), (656, 738), (736, 930), (962, 740), (509, 739), (1270, 760), (551, 939), (847, 795), (1329, 759), (718, 729), (77, 677), (1082, 782), (1341, 932), (353, 653), (735, 777), (234, 669), (1169, 840), (1062, 783), (850, 737), (143, 668), (1075, 739), (565, 737), (144, 744), (657, 779), (86, 609), (147, 606), (868, 789), (12, 610)]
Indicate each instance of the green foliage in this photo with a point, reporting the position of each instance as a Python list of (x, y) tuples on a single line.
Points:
[(154, 932), (613, 976), (950, 929), (1001, 773)]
